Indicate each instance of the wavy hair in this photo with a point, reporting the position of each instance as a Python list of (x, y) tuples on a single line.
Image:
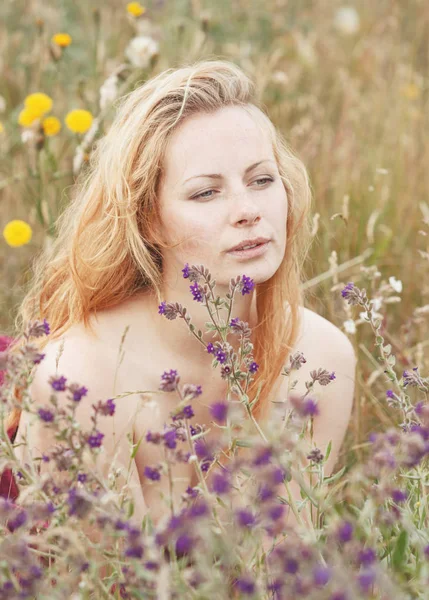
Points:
[(106, 247)]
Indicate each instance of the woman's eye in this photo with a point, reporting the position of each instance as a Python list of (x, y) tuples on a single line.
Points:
[(202, 195)]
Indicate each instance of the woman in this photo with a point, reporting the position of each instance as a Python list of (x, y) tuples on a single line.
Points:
[(190, 168)]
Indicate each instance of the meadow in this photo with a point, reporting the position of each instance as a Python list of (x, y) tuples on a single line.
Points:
[(348, 86)]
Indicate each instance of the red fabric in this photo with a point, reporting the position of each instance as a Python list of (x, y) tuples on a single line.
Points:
[(8, 486)]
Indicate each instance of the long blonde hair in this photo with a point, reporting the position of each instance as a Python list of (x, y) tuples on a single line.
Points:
[(106, 249)]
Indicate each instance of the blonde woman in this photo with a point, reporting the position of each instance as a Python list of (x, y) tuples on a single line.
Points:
[(190, 168)]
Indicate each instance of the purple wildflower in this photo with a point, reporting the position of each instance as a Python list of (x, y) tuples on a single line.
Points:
[(220, 356), (185, 271), (366, 557), (366, 579), (19, 520), (108, 409), (170, 438), (197, 292), (276, 512), (188, 413), (82, 477), (161, 308), (321, 575), (78, 392), (134, 551), (399, 496), (58, 384), (219, 411), (153, 474), (345, 532), (245, 584), (291, 565), (198, 509), (184, 544), (95, 439), (169, 381), (78, 504), (247, 284), (263, 456), (210, 348), (245, 518), (220, 484), (253, 367), (46, 415)]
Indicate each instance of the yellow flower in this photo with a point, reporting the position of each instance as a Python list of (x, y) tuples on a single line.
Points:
[(411, 91), (135, 9), (17, 233), (51, 125), (27, 116), (1, 127), (62, 39), (38, 103), (78, 120)]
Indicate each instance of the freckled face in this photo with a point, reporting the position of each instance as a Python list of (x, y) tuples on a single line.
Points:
[(218, 213)]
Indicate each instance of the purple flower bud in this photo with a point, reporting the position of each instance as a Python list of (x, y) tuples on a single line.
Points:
[(245, 518), (19, 520), (366, 579), (366, 557), (95, 439), (169, 381), (247, 285), (399, 496), (291, 565), (58, 384), (184, 544), (220, 484), (219, 411), (321, 575), (246, 585), (46, 415), (170, 438), (153, 474), (345, 532)]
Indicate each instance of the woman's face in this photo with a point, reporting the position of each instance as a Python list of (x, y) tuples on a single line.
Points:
[(235, 205)]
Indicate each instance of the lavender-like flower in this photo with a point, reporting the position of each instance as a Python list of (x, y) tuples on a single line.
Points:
[(169, 381), (46, 415), (77, 391), (246, 285), (153, 474), (95, 439), (219, 411), (58, 383)]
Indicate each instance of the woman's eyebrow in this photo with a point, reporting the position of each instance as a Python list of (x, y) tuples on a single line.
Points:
[(219, 176)]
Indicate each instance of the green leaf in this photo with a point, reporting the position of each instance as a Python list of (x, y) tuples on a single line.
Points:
[(387, 349), (191, 327), (391, 360), (328, 450), (336, 476), (398, 555), (379, 339)]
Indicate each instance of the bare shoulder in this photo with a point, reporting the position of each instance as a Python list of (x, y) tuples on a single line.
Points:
[(321, 335)]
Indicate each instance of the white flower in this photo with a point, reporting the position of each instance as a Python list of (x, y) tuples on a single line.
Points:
[(374, 314), (108, 91), (280, 77), (396, 284), (140, 50), (350, 326), (347, 20), (376, 303), (28, 135)]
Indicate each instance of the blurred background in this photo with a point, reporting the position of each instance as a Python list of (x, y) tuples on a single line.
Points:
[(347, 83)]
